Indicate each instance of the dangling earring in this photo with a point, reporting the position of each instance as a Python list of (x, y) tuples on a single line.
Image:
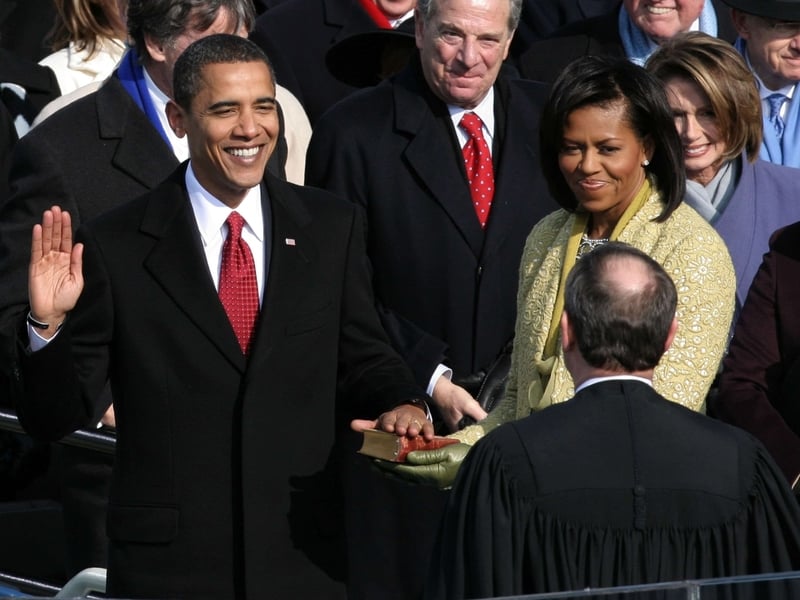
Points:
[(645, 163)]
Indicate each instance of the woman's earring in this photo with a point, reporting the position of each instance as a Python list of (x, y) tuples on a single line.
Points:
[(645, 163)]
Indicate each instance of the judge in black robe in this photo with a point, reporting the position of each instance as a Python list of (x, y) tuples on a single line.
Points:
[(617, 486)]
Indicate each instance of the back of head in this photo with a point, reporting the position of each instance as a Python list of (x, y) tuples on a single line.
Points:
[(724, 77), (164, 20), (621, 304), (602, 81), (213, 49)]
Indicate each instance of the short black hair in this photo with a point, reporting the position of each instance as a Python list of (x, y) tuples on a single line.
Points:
[(602, 81), (618, 329), (213, 49)]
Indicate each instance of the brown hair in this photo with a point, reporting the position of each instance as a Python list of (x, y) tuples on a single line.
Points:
[(86, 22), (721, 72)]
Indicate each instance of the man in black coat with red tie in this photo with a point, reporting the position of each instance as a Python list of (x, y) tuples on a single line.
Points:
[(233, 315), (445, 271)]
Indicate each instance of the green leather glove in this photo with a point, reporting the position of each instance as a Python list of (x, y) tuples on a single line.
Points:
[(429, 467)]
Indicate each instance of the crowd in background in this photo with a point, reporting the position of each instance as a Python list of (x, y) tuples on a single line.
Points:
[(488, 147)]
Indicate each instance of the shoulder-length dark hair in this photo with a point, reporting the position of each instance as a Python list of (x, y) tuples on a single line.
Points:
[(602, 81)]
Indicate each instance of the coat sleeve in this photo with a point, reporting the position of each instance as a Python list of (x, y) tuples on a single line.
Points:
[(59, 388), (36, 182), (701, 268), (757, 366), (481, 546), (338, 161)]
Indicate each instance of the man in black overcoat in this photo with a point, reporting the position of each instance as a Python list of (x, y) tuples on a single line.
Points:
[(224, 424)]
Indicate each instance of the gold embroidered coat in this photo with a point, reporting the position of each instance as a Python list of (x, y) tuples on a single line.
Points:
[(689, 250)]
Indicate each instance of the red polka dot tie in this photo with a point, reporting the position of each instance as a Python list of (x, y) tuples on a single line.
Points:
[(478, 162), (238, 286)]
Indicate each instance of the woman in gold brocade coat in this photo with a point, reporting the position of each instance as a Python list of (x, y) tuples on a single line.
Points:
[(614, 161)]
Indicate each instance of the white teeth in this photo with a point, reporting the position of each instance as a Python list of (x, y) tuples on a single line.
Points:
[(693, 151), (654, 10), (244, 152)]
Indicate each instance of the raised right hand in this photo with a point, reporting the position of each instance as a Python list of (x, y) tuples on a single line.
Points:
[(55, 275)]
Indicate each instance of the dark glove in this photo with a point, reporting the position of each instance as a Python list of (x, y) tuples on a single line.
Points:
[(429, 467)]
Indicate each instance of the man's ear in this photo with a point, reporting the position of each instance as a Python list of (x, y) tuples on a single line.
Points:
[(175, 117), (567, 338), (155, 48), (673, 329), (740, 23)]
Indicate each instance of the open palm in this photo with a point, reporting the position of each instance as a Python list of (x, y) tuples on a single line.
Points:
[(55, 276)]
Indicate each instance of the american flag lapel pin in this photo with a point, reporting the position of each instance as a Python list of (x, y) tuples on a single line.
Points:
[(290, 242)]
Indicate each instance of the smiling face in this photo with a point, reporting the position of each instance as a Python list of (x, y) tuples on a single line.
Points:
[(663, 19), (696, 122), (601, 160), (774, 55), (462, 47), (232, 126)]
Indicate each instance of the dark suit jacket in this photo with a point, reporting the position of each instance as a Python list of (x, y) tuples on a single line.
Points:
[(759, 386), (447, 289), (544, 60), (448, 286), (617, 486), (216, 491), (297, 34)]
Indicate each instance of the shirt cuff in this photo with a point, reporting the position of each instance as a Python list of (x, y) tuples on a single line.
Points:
[(37, 342), (438, 372)]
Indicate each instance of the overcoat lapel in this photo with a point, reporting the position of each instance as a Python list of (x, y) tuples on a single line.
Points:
[(177, 263), (132, 133), (432, 155)]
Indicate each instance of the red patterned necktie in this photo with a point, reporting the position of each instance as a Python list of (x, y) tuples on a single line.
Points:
[(478, 162), (238, 286)]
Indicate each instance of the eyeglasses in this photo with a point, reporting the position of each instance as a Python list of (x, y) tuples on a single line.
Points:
[(782, 29)]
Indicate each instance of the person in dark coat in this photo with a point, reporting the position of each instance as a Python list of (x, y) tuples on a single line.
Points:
[(93, 155), (296, 36), (225, 416), (446, 282), (618, 485), (761, 373), (628, 30)]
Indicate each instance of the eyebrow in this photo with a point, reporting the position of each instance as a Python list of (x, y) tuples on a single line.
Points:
[(232, 103)]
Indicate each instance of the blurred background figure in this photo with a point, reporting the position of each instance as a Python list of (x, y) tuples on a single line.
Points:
[(761, 373), (88, 41), (630, 30), (769, 34), (717, 112), (296, 35)]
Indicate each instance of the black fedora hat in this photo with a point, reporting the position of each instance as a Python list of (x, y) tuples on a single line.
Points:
[(364, 59), (782, 10)]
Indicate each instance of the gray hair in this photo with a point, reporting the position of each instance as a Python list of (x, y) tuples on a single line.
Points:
[(427, 9)]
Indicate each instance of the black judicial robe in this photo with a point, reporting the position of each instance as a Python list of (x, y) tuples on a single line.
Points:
[(618, 486)]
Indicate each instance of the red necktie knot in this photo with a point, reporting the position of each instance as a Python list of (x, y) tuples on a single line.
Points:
[(478, 164)]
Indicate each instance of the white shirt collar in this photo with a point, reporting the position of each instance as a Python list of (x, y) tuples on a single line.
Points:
[(180, 146), (594, 380), (211, 213), (484, 110)]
